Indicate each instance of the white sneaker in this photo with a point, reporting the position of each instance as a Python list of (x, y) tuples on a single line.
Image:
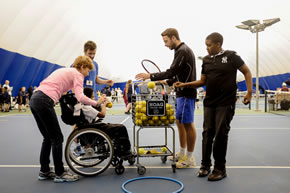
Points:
[(66, 177), (186, 162), (178, 156)]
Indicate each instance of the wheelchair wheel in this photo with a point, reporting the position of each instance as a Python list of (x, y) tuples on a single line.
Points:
[(89, 151)]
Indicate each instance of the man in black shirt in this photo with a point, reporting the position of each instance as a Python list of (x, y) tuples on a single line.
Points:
[(219, 72), (182, 69)]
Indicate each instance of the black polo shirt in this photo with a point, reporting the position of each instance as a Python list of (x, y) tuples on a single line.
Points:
[(221, 73)]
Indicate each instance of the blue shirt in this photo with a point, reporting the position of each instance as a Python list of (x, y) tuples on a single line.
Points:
[(90, 80)]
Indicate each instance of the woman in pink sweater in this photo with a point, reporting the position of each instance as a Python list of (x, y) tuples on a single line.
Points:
[(42, 107)]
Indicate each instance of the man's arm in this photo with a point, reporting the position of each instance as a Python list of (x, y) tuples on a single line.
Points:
[(101, 81), (194, 84), (169, 73), (248, 77)]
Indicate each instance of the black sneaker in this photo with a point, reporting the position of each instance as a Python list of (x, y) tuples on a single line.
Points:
[(217, 175)]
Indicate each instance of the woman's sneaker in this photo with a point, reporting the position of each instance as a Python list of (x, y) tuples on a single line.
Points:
[(178, 157), (46, 175), (186, 162), (66, 177)]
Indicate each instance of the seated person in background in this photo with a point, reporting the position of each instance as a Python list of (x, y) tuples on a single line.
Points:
[(284, 87), (117, 132)]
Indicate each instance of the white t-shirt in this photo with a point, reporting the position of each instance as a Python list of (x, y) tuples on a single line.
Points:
[(9, 89), (90, 113)]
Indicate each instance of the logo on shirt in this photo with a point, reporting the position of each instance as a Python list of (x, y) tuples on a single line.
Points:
[(224, 59)]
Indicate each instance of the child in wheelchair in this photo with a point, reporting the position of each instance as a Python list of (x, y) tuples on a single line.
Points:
[(91, 117)]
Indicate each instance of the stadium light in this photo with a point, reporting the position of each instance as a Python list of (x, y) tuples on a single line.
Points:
[(255, 26)]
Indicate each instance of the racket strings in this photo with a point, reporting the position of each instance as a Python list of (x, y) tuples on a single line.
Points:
[(149, 66)]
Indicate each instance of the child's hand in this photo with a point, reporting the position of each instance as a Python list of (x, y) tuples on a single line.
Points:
[(102, 99)]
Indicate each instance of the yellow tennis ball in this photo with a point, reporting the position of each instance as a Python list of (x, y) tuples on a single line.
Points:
[(172, 119), (151, 85), (138, 108), (159, 122), (143, 109), (138, 122), (138, 115), (144, 118), (155, 118), (143, 103), (166, 122), (164, 149), (163, 118), (109, 105), (151, 122), (141, 151)]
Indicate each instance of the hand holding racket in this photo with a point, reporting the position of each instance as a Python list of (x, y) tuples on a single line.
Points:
[(149, 67)]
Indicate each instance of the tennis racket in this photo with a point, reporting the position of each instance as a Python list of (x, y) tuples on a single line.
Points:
[(149, 66)]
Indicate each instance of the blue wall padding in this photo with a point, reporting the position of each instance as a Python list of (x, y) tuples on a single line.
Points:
[(22, 70), (26, 71), (267, 82)]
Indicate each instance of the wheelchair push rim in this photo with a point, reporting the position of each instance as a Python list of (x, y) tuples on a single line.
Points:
[(95, 155)]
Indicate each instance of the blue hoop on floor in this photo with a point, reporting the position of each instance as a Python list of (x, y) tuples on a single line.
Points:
[(152, 177)]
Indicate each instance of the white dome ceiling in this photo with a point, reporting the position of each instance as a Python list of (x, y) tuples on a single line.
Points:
[(128, 31)]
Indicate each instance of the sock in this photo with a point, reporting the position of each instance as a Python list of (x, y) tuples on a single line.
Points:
[(189, 154), (182, 151)]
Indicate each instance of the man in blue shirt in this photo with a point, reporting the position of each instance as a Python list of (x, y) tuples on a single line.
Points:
[(90, 81)]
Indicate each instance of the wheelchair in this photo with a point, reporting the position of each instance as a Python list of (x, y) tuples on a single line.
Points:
[(98, 149)]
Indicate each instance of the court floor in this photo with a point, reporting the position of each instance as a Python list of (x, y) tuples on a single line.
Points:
[(258, 158)]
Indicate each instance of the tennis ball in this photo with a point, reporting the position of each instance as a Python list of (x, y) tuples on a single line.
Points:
[(169, 112), (141, 151), (164, 149), (151, 85), (172, 119), (109, 105), (143, 103), (138, 115), (166, 122), (155, 118), (163, 118), (138, 108), (138, 122), (143, 109), (151, 122), (144, 117), (159, 122)]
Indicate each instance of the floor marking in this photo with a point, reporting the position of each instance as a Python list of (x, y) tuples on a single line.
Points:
[(125, 120), (162, 167)]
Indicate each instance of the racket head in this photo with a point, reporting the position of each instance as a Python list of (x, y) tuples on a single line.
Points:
[(149, 66)]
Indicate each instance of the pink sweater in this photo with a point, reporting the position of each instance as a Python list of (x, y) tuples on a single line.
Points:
[(63, 80)]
